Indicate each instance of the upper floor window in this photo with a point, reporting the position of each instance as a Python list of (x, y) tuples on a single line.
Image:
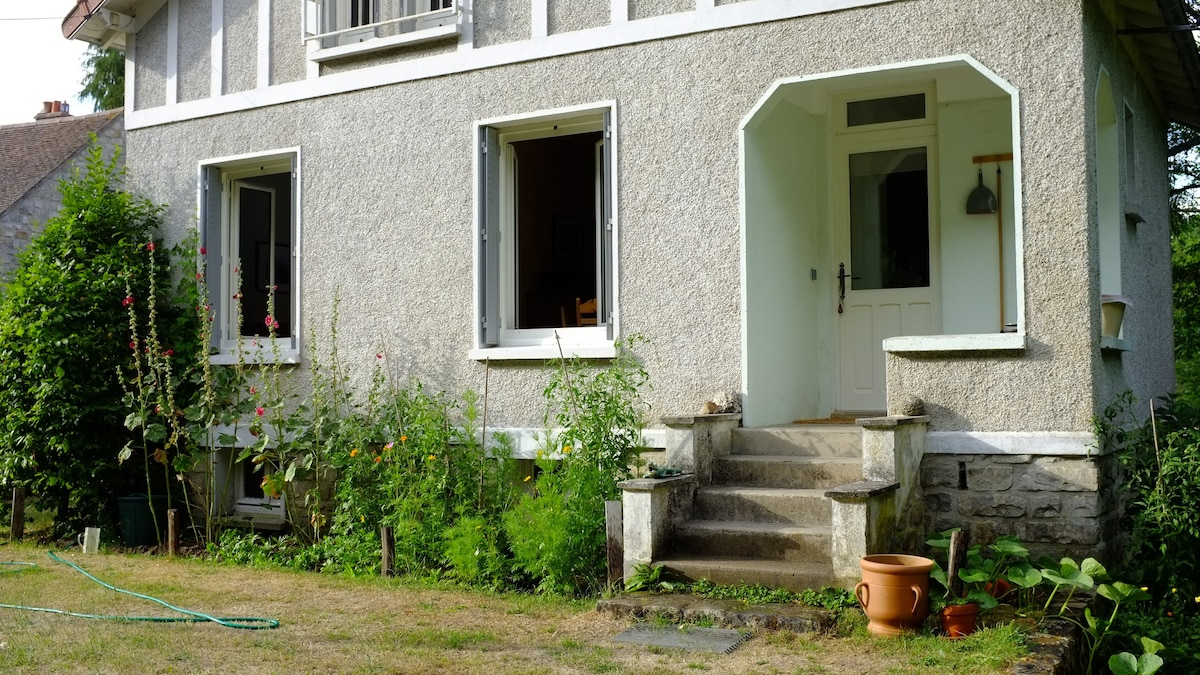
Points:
[(342, 27), (248, 221)]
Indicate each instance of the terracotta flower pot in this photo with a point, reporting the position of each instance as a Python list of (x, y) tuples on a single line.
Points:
[(894, 592), (998, 588), (958, 621)]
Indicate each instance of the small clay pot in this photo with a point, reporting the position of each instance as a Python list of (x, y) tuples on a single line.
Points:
[(958, 621), (894, 592)]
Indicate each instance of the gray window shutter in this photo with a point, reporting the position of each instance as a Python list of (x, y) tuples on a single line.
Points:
[(211, 234), (489, 236), (604, 312)]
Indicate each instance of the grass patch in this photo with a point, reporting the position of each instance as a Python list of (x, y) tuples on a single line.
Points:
[(373, 625)]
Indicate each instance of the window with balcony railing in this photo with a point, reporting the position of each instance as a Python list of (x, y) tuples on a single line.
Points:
[(342, 27)]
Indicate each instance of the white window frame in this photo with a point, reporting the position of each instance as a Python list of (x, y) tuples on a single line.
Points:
[(495, 338), (218, 177), (414, 27)]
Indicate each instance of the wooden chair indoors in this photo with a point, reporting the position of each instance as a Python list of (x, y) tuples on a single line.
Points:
[(585, 312)]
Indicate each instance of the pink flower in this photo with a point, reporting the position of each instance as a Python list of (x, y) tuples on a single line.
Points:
[(203, 251), (275, 325), (388, 446), (236, 296), (253, 390), (158, 408), (150, 246), (235, 270), (169, 353), (268, 321), (379, 356), (260, 411), (127, 301), (132, 345), (199, 276)]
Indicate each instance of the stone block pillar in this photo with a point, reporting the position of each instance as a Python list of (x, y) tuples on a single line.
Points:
[(651, 509), (693, 441)]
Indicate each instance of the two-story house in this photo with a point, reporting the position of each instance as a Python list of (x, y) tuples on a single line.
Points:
[(782, 195)]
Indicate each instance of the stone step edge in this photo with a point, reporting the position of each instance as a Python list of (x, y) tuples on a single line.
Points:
[(685, 607), (755, 527), (789, 459)]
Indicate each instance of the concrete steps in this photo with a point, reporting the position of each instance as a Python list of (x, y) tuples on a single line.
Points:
[(814, 440), (758, 504), (787, 471), (765, 518), (755, 541), (794, 576)]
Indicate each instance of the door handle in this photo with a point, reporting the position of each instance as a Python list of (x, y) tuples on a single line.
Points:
[(842, 276)]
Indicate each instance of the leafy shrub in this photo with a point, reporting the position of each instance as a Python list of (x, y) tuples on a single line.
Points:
[(1160, 457), (1161, 461), (65, 345), (556, 531)]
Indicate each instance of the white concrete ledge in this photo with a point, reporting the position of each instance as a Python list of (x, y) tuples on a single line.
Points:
[(1067, 443), (1111, 344), (988, 342), (379, 44), (544, 352), (528, 441)]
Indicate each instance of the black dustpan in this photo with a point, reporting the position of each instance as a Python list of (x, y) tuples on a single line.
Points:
[(981, 199)]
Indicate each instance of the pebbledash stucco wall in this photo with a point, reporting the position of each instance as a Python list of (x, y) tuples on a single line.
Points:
[(1147, 368), (399, 254)]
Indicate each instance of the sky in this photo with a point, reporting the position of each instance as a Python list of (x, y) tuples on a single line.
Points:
[(39, 64)]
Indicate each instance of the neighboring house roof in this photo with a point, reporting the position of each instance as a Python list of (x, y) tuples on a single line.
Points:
[(31, 151)]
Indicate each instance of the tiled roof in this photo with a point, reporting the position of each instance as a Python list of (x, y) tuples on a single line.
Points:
[(31, 151)]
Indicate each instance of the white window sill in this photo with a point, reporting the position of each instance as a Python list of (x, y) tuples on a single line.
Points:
[(379, 44), (604, 350), (989, 342), (256, 357), (1112, 344)]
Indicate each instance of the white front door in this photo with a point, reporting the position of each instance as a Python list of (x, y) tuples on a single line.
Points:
[(886, 279)]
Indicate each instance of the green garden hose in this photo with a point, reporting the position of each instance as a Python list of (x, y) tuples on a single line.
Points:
[(242, 622)]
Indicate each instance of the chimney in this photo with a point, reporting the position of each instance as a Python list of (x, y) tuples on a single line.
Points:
[(53, 109)]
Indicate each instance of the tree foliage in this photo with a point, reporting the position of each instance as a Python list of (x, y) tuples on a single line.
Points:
[(104, 81), (64, 346)]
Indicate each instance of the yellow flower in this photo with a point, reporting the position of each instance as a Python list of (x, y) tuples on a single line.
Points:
[(539, 454), (567, 449), (432, 457), (528, 477), (1174, 589), (403, 439), (362, 519), (1198, 598), (354, 452), (1145, 588)]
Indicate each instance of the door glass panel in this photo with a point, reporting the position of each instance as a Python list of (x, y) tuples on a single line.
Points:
[(889, 219)]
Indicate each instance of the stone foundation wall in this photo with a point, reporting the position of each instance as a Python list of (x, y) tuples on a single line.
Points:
[(1056, 505)]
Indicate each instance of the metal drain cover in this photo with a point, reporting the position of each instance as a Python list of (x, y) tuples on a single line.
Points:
[(719, 640)]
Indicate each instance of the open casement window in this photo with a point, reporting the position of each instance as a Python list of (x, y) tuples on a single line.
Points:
[(342, 23), (249, 231), (546, 267)]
